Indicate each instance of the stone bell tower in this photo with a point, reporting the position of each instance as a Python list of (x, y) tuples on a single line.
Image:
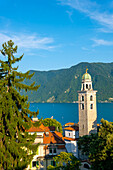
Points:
[(87, 107)]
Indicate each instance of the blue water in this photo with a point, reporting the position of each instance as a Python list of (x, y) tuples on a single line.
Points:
[(68, 112)]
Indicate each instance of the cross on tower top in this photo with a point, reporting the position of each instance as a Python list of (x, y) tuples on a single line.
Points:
[(86, 69)]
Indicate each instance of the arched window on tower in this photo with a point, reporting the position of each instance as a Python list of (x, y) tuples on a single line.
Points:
[(89, 86), (82, 106), (86, 86), (82, 98), (91, 98), (91, 106)]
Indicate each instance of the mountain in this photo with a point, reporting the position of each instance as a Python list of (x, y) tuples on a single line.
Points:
[(62, 85)]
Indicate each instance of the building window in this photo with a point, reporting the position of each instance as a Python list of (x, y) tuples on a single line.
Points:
[(34, 164), (54, 150), (86, 86), (91, 106), (82, 106), (69, 134), (50, 150), (91, 98), (83, 126), (89, 86), (53, 163), (82, 98)]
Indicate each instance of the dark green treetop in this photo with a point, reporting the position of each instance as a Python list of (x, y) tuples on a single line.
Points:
[(53, 122), (16, 145)]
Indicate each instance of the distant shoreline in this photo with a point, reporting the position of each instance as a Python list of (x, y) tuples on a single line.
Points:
[(67, 102)]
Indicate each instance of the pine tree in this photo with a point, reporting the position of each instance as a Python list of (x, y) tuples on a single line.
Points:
[(16, 145)]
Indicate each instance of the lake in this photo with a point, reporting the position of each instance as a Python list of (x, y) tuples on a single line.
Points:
[(68, 112)]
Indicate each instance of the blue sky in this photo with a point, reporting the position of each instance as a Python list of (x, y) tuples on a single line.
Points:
[(55, 34)]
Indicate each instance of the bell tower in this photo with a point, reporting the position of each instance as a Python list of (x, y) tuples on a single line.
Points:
[(87, 107)]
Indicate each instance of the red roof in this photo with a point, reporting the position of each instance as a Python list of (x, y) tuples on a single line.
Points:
[(70, 123), (41, 128), (49, 137), (58, 134), (53, 137), (69, 128)]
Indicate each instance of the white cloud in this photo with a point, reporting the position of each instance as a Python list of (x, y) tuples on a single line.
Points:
[(31, 41), (104, 30), (85, 49), (70, 13), (92, 10), (98, 42)]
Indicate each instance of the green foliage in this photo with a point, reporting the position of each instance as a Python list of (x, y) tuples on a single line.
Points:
[(50, 167), (65, 161), (16, 145), (84, 143), (53, 122), (64, 84), (100, 147)]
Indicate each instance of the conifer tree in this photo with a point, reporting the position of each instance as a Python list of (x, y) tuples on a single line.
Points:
[(16, 145)]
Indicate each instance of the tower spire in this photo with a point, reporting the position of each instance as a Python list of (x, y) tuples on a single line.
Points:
[(86, 69)]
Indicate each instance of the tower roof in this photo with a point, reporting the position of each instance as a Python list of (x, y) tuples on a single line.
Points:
[(86, 76)]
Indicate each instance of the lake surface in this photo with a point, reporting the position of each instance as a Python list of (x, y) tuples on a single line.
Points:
[(68, 112)]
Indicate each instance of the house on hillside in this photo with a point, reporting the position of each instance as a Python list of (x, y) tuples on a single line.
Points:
[(51, 144)]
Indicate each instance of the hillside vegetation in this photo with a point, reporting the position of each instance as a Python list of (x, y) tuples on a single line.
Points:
[(62, 85)]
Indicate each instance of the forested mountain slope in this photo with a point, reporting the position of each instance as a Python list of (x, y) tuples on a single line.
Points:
[(62, 85)]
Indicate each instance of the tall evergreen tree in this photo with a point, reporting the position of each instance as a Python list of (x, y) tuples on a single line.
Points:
[(16, 145)]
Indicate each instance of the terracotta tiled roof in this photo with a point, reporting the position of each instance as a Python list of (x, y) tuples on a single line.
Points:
[(50, 137), (53, 137), (41, 128), (58, 134), (69, 128), (70, 139), (70, 123)]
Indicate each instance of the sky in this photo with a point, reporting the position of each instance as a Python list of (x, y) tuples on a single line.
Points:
[(56, 34)]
